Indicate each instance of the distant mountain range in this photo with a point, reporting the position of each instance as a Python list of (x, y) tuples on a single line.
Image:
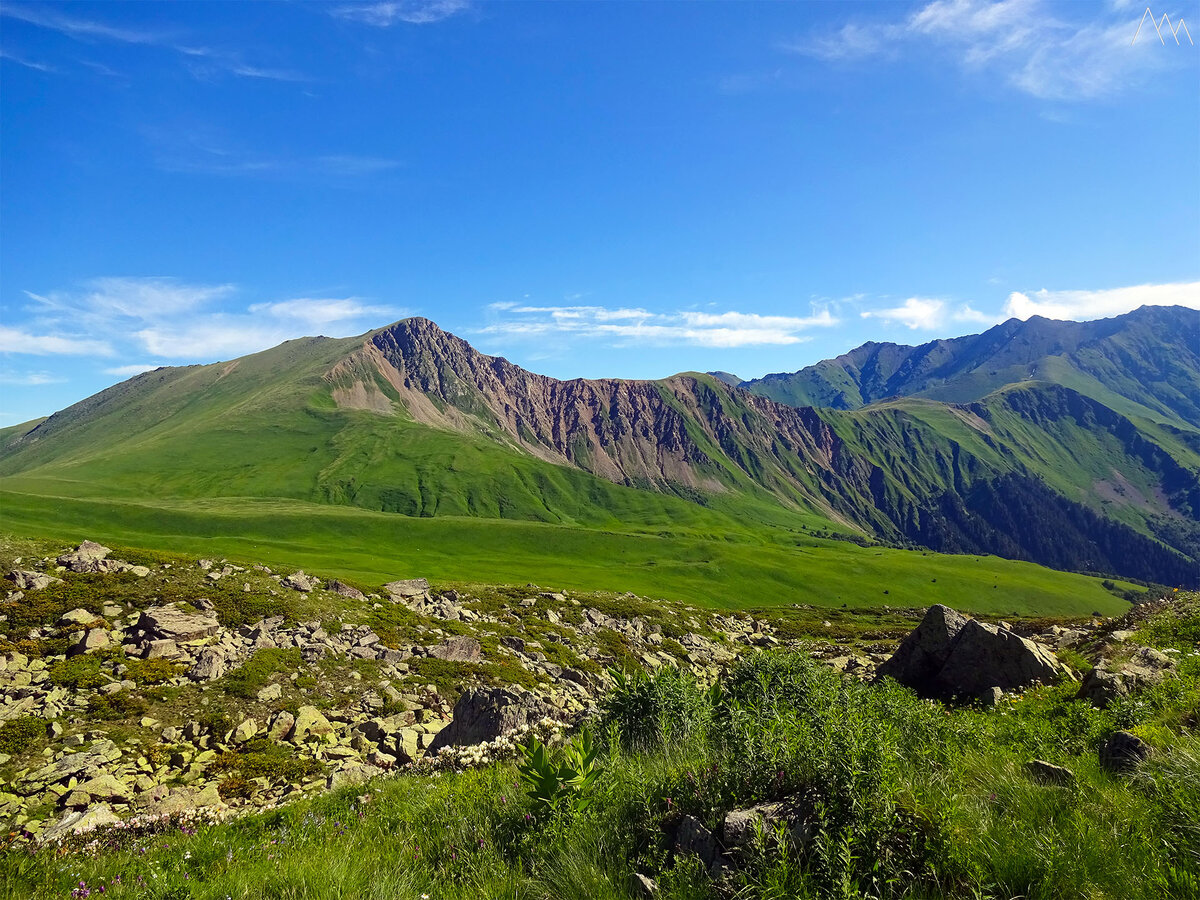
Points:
[(1075, 445)]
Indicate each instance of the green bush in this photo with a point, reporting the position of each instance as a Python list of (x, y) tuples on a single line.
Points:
[(113, 707), (152, 671), (78, 673), (19, 734), (645, 711)]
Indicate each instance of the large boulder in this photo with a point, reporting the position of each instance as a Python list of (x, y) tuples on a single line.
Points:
[(309, 721), (405, 589), (921, 655), (950, 655), (169, 623), (483, 714), (1123, 752), (210, 664), (460, 648), (87, 557)]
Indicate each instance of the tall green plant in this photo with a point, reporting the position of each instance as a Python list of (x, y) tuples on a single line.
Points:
[(563, 783)]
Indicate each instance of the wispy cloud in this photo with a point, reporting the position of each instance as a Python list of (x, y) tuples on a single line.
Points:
[(408, 12), (927, 313), (203, 62), (30, 379), (28, 63), (173, 320), (205, 151), (1022, 41), (80, 29), (1083, 305), (627, 326), (15, 340)]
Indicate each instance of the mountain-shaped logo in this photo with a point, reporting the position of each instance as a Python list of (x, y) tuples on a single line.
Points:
[(1158, 28)]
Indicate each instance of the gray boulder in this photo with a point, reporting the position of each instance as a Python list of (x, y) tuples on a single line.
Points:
[(483, 714), (923, 652), (950, 655), (404, 589), (210, 664), (173, 624), (1110, 681), (87, 557), (458, 649), (345, 590), (31, 581), (741, 826), (298, 581), (693, 837)]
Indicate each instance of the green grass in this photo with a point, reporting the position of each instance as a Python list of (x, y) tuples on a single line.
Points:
[(760, 567), (904, 799)]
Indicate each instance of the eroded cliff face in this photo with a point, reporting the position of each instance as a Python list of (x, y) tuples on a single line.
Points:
[(685, 432)]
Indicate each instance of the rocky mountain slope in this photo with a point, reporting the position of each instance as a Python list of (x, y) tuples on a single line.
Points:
[(411, 419), (1144, 363)]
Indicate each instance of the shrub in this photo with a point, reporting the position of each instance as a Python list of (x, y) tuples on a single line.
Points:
[(19, 734), (111, 707), (236, 786), (647, 711), (78, 673), (152, 671)]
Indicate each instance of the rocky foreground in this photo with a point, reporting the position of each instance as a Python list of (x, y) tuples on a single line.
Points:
[(136, 704)]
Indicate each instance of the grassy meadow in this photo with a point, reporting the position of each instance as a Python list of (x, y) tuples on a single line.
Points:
[(695, 562)]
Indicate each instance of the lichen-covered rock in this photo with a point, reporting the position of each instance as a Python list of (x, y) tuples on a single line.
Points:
[(345, 590), (298, 581), (31, 581), (412, 587), (308, 722), (693, 837), (1109, 681), (210, 664), (172, 623)]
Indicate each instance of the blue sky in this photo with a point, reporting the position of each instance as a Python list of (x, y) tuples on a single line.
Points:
[(589, 189)]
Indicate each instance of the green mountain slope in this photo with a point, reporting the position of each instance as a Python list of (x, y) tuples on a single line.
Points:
[(1145, 363), (411, 420)]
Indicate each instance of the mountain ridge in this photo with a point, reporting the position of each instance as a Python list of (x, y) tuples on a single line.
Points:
[(412, 419)]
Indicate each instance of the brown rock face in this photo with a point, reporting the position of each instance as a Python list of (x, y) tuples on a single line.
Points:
[(677, 434)]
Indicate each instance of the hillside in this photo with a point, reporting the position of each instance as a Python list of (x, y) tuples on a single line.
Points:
[(412, 420)]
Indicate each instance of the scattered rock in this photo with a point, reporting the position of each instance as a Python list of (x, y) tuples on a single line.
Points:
[(644, 886), (693, 837), (172, 623), (345, 590), (1102, 684), (210, 664), (1124, 752), (80, 822), (31, 581), (309, 722), (298, 581), (92, 639), (741, 826), (413, 587), (1050, 773), (270, 692), (87, 557)]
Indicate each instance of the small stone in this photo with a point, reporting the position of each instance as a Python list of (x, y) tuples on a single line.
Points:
[(270, 692), (1050, 773)]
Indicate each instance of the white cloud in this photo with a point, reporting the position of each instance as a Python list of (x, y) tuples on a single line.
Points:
[(28, 63), (928, 313), (410, 12), (319, 312), (626, 326), (30, 379), (14, 340), (1021, 40), (1084, 305), (131, 370)]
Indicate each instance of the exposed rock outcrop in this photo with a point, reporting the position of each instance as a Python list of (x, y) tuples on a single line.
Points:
[(484, 714)]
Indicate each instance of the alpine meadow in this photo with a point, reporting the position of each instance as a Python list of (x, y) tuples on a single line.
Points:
[(358, 541)]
